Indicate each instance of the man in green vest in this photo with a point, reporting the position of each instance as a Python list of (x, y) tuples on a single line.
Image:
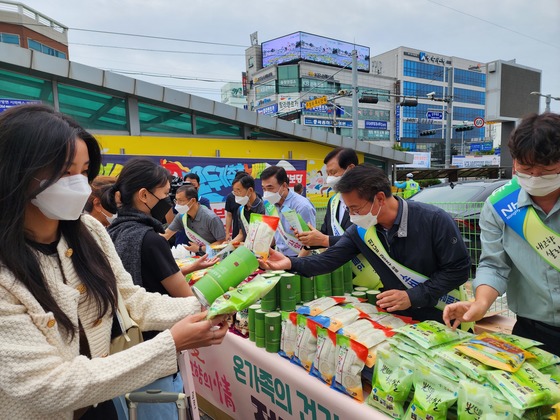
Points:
[(519, 232), (409, 187)]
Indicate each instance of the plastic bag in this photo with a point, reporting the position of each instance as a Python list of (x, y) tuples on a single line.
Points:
[(242, 296), (261, 233)]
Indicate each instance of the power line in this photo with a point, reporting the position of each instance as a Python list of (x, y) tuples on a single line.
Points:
[(495, 24), (154, 50), (170, 76)]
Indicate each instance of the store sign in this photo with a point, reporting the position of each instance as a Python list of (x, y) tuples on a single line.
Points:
[(268, 110), (376, 125), (288, 104), (8, 103), (264, 78), (397, 123), (326, 123), (422, 56), (319, 75)]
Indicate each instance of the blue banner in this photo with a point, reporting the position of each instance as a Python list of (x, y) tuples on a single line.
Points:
[(376, 125), (326, 123), (8, 103), (268, 110)]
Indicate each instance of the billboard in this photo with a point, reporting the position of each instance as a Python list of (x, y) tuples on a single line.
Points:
[(318, 49)]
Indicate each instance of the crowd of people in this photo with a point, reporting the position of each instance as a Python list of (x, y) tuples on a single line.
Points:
[(74, 243)]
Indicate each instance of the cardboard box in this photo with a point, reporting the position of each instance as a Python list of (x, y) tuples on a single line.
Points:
[(494, 323)]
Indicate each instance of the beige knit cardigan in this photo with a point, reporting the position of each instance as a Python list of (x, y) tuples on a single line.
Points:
[(42, 375)]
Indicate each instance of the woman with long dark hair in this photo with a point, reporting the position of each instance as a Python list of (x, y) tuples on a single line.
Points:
[(59, 275)]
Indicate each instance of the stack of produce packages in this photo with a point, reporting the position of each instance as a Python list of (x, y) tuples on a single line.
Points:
[(428, 371)]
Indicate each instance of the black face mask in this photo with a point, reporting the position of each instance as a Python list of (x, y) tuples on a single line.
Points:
[(159, 211)]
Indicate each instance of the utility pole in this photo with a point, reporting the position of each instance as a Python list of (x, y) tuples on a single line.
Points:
[(449, 116), (355, 97)]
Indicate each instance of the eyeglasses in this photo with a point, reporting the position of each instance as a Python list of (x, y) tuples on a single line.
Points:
[(357, 211)]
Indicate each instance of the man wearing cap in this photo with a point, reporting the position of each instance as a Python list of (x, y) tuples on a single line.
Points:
[(409, 187)]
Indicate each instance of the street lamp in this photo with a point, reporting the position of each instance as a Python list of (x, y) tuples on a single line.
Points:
[(547, 101)]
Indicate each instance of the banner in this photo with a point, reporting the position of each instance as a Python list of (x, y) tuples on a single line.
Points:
[(246, 382), (216, 174)]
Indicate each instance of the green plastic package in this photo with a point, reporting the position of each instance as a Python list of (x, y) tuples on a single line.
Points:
[(391, 383), (242, 296), (295, 220), (433, 395), (430, 334), (483, 402)]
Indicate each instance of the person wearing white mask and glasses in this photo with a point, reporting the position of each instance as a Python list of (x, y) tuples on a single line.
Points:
[(520, 237), (277, 196), (416, 248), (245, 195)]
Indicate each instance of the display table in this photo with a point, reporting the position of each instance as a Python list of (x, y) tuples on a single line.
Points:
[(246, 382)]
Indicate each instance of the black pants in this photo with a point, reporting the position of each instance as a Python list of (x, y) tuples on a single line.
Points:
[(536, 330)]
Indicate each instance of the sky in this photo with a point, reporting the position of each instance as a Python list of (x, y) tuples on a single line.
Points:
[(218, 33)]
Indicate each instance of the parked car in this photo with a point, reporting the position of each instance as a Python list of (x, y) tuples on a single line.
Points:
[(463, 200)]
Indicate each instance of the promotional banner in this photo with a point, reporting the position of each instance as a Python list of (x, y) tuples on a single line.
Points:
[(216, 174), (246, 382)]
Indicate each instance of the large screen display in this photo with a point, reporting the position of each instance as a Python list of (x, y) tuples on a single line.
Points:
[(309, 47)]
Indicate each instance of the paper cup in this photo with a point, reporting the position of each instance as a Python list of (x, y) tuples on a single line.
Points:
[(359, 294), (251, 318), (228, 273), (287, 292), (348, 277), (372, 296), (269, 302), (337, 279)]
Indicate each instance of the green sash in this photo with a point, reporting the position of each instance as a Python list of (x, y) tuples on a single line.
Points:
[(408, 277), (526, 223), (364, 274), (195, 237)]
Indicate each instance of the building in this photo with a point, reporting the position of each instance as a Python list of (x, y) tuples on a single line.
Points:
[(23, 26), (285, 73), (425, 76), (232, 94)]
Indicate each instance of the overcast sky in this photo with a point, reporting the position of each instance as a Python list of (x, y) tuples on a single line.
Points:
[(481, 30)]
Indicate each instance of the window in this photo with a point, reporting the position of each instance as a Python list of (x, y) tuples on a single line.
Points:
[(423, 70), (288, 79), (420, 90), (472, 78), (18, 86), (93, 110), (9, 38), (155, 119), (208, 127), (45, 49), (469, 96), (265, 89)]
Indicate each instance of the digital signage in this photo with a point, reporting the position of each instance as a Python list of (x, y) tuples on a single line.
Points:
[(318, 49)]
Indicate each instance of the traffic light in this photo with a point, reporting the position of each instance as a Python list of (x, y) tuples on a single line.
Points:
[(427, 132), (464, 128), (368, 99), (409, 102)]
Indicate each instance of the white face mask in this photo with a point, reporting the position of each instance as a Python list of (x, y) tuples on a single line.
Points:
[(65, 199), (539, 186), (332, 180), (242, 200), (182, 208), (272, 197), (110, 218), (365, 220)]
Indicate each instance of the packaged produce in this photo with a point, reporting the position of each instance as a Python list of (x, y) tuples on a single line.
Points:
[(336, 317), (554, 372), (429, 334), (306, 344), (495, 352), (324, 363), (542, 358), (470, 367), (483, 402), (516, 340), (288, 339), (261, 233), (433, 395), (242, 296), (351, 359), (295, 220), (392, 382), (525, 388), (317, 306), (370, 334)]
